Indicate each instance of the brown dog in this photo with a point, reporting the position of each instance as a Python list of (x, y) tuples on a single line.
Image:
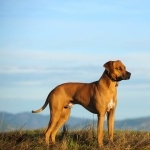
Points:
[(99, 97)]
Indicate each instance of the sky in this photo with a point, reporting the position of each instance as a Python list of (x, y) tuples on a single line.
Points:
[(46, 43)]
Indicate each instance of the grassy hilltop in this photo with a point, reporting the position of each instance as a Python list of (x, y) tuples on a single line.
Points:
[(85, 139)]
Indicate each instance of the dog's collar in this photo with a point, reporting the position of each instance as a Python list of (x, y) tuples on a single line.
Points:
[(110, 77)]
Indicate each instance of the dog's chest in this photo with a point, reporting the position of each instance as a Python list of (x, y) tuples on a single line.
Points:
[(110, 105)]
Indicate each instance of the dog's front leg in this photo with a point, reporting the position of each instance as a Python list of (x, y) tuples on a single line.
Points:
[(100, 129), (110, 123)]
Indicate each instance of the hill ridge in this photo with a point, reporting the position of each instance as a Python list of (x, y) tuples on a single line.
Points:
[(29, 121)]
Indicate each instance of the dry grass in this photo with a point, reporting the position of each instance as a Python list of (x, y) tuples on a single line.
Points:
[(85, 139)]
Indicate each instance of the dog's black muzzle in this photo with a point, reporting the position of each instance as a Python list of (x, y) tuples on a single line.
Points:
[(128, 75), (125, 76)]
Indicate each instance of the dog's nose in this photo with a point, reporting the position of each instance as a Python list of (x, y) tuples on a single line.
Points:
[(129, 74)]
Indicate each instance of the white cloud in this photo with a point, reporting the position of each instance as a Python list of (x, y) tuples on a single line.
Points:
[(30, 59), (30, 83), (51, 61)]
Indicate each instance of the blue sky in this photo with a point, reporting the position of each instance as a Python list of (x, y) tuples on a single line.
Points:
[(46, 43)]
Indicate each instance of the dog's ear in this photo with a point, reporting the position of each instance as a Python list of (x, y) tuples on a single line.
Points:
[(108, 65)]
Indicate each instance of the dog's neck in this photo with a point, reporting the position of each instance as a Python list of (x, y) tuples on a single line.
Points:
[(109, 76), (108, 79)]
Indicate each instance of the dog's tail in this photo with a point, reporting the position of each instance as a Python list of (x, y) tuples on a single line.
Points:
[(42, 108)]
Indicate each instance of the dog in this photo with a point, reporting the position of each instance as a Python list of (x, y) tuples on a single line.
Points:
[(99, 97)]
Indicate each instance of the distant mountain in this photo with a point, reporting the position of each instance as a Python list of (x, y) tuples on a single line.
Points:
[(29, 121), (134, 124)]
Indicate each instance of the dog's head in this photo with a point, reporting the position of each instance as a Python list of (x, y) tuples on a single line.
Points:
[(116, 71)]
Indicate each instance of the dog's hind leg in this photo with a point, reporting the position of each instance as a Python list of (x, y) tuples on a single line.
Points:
[(55, 116), (64, 117)]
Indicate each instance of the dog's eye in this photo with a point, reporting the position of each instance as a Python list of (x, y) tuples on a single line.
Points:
[(119, 68)]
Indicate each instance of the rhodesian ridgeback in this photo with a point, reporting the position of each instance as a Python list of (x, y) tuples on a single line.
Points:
[(99, 97)]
